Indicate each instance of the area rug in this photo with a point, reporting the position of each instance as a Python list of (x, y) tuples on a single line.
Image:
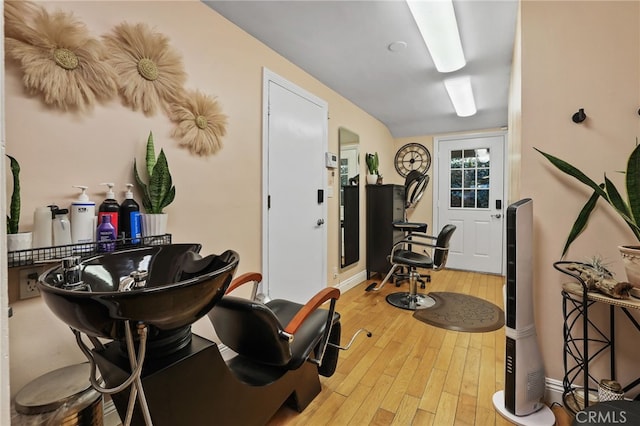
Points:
[(460, 312)]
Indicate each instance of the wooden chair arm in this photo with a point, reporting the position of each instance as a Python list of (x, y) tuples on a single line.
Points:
[(317, 300), (247, 277)]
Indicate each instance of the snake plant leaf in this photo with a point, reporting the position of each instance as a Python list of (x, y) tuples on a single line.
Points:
[(159, 191), (146, 202), (618, 203), (150, 155), (616, 200), (567, 168), (581, 221), (629, 210), (13, 219), (633, 184)]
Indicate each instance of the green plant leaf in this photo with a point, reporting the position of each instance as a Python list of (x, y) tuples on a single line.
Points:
[(146, 202), (151, 155), (621, 207), (567, 168), (160, 184), (633, 184), (159, 191), (13, 218), (581, 221), (615, 199)]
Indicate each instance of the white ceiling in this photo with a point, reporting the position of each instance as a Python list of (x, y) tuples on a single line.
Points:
[(344, 44)]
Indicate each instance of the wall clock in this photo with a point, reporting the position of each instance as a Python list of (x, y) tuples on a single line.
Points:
[(412, 156)]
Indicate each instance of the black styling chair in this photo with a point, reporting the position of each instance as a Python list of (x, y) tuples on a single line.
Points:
[(415, 185), (403, 256)]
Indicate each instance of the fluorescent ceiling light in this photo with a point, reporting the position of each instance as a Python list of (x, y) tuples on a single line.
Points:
[(461, 95), (437, 23)]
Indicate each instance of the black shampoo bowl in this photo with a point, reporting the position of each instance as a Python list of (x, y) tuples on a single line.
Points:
[(179, 287)]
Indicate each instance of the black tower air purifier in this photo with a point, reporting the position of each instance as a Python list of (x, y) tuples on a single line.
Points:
[(521, 400)]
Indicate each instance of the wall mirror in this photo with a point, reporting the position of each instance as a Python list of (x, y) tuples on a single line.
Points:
[(349, 197)]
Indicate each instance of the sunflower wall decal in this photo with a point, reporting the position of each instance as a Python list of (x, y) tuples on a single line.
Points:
[(151, 74), (200, 123), (58, 57)]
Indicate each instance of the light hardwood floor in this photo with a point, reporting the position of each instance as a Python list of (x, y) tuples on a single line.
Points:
[(410, 373)]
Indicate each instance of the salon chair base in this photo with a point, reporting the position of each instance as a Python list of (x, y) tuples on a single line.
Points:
[(411, 302), (195, 386)]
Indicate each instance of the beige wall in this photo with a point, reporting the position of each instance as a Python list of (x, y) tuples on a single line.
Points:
[(218, 201), (577, 55)]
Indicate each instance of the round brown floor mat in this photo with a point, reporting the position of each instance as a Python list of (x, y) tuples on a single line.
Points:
[(460, 312)]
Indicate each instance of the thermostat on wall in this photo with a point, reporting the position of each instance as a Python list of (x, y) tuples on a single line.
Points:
[(331, 160)]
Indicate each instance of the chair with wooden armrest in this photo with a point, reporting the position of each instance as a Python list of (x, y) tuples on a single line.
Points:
[(279, 333)]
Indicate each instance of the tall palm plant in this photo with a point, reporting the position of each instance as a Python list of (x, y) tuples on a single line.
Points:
[(628, 209)]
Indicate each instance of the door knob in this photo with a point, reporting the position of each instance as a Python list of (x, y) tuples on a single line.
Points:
[(497, 216), (320, 222)]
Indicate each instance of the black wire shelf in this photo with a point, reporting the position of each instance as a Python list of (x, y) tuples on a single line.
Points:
[(42, 255)]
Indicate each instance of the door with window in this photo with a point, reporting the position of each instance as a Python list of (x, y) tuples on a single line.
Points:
[(470, 195)]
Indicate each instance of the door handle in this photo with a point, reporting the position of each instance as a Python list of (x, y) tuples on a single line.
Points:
[(497, 216), (320, 222)]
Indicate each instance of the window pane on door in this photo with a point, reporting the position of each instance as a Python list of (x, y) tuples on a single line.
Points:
[(456, 198), (470, 178)]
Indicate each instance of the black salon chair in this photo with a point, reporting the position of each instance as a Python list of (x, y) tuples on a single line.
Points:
[(279, 333), (415, 185), (403, 256)]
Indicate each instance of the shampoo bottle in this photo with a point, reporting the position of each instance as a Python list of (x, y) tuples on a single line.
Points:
[(109, 207), (106, 235), (83, 213), (130, 220)]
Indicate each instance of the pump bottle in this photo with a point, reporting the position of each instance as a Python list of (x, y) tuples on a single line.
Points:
[(106, 235), (130, 220), (109, 207), (83, 213), (61, 226)]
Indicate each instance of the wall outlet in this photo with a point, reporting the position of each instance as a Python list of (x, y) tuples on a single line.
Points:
[(335, 272), (28, 287)]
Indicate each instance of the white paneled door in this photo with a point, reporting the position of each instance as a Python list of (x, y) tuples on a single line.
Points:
[(470, 195), (294, 216)]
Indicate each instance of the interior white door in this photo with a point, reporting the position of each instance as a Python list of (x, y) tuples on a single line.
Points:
[(294, 256), (470, 195)]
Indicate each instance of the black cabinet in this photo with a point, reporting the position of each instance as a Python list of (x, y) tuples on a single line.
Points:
[(385, 205)]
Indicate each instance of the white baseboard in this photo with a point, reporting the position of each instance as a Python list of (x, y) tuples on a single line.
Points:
[(353, 281), (553, 391)]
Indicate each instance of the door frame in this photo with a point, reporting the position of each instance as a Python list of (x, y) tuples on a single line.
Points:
[(268, 77), (505, 189)]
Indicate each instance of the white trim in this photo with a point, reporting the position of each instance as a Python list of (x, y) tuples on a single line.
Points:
[(351, 282), (553, 391)]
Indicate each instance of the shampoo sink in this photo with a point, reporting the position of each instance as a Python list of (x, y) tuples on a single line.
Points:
[(178, 287)]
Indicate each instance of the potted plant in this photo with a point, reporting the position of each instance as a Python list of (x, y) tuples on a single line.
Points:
[(372, 166), (628, 209), (16, 240), (157, 193)]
